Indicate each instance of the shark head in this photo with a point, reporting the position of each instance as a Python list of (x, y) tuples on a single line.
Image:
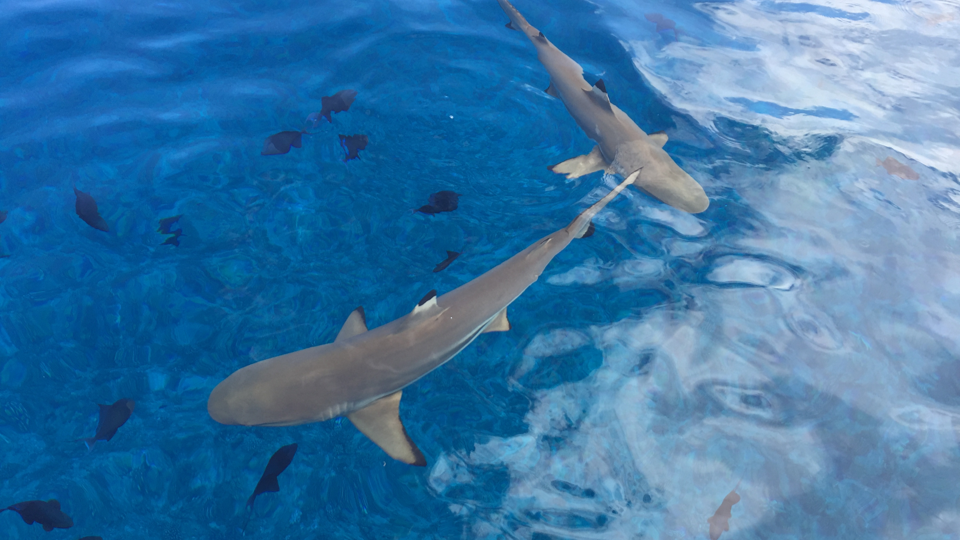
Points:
[(661, 177)]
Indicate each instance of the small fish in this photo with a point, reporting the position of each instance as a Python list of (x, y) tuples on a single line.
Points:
[(352, 144), (441, 201), (280, 143), (278, 463), (88, 212), (3, 216), (896, 168), (336, 103), (662, 23), (111, 418), (720, 521), (451, 256), (46, 513), (173, 240), (168, 222)]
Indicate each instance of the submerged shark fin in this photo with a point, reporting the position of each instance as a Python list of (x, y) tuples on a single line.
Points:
[(551, 91), (578, 227), (510, 26), (601, 86), (380, 422), (581, 165), (356, 324), (588, 232), (499, 323), (658, 138)]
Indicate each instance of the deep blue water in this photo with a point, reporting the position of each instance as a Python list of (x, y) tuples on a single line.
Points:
[(799, 337)]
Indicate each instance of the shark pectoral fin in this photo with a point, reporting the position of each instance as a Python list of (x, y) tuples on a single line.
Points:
[(356, 324), (499, 323), (510, 26), (551, 91), (581, 165), (380, 422), (658, 138)]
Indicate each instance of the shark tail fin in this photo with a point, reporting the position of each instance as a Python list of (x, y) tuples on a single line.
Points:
[(380, 421), (579, 226)]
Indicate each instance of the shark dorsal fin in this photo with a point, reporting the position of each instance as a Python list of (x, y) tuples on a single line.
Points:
[(380, 422), (427, 302), (356, 324), (599, 95), (658, 138), (499, 323)]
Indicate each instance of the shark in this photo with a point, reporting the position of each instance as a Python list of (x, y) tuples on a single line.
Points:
[(622, 147), (362, 374)]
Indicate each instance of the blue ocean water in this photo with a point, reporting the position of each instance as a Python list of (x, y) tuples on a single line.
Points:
[(797, 342)]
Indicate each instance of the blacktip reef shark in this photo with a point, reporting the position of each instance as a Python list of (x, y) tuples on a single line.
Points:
[(363, 372), (622, 147)]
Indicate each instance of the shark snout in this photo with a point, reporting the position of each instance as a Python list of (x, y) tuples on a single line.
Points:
[(666, 181), (219, 405)]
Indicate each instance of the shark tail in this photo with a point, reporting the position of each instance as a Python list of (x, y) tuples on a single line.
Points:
[(579, 226), (517, 22)]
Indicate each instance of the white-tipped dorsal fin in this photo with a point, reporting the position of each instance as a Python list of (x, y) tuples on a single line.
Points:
[(658, 138), (551, 91), (499, 323), (356, 324), (380, 422), (426, 303), (581, 165)]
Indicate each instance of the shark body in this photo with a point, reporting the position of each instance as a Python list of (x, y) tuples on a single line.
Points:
[(361, 374), (622, 147)]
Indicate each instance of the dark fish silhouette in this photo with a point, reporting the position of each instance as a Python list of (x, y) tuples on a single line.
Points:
[(451, 256), (280, 143), (352, 144), (173, 240), (441, 201), (662, 23), (88, 212), (338, 102), (278, 463), (168, 222), (3, 216), (46, 513), (720, 521), (111, 418)]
